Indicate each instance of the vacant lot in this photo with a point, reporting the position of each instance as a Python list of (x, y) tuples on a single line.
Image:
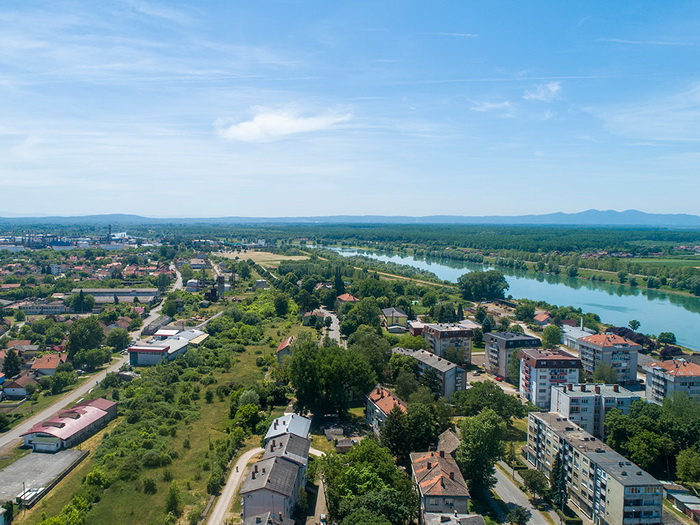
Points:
[(263, 258)]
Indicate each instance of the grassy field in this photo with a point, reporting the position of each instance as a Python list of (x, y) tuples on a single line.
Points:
[(263, 258), (690, 261)]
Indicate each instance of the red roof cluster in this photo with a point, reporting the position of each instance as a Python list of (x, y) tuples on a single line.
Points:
[(385, 400)]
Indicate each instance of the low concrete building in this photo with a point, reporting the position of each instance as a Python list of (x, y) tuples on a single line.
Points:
[(441, 486), (442, 336), (69, 427), (500, 347), (380, 402), (588, 404), (570, 336), (665, 378), (542, 369), (452, 377), (168, 348)]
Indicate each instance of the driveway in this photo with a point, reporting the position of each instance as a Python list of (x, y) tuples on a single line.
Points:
[(334, 330)]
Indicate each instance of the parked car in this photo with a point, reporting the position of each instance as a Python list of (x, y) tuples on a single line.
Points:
[(499, 378), (477, 373)]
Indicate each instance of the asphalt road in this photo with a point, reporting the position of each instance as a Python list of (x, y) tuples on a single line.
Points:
[(334, 330), (512, 495)]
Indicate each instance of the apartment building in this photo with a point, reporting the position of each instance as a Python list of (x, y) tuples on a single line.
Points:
[(587, 404), (613, 350), (380, 402), (452, 377), (500, 347), (605, 486), (665, 378), (441, 336), (542, 369)]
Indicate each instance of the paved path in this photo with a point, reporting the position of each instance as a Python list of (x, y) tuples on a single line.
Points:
[(225, 501), (512, 495), (334, 330)]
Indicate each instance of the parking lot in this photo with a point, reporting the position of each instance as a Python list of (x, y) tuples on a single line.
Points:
[(35, 470)]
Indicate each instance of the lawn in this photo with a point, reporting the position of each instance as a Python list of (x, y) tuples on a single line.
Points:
[(265, 259), (681, 262)]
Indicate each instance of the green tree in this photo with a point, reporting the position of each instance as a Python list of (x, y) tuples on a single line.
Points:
[(487, 395), (396, 435), (513, 372), (518, 515), (481, 446), (551, 336), (605, 373), (13, 363), (666, 338), (84, 333), (364, 516), (281, 302), (169, 308), (483, 285), (688, 465), (557, 481), (634, 325), (524, 311), (535, 482), (406, 384), (118, 338), (173, 502), (4, 421)]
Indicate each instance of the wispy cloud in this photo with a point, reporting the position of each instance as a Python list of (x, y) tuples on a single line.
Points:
[(646, 42), (504, 108), (268, 125), (672, 118), (544, 92)]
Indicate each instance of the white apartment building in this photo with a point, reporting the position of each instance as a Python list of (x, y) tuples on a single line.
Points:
[(665, 378), (442, 336), (613, 350), (587, 404), (540, 370)]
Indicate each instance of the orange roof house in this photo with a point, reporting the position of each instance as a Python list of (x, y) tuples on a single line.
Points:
[(47, 364)]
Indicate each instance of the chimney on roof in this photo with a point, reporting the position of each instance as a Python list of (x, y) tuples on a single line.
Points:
[(583, 388), (255, 469), (253, 474), (452, 476), (275, 424), (442, 453), (616, 388), (571, 387), (597, 389), (430, 465)]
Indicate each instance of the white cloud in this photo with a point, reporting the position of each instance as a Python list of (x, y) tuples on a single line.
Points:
[(544, 92), (645, 42), (269, 125), (460, 35), (487, 107)]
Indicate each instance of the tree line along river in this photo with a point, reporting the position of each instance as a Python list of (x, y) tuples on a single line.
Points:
[(657, 311)]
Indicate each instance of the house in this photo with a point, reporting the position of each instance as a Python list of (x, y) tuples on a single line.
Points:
[(17, 389), (604, 485), (46, 365), (380, 402), (542, 319), (345, 299), (270, 486), (289, 424), (452, 377), (314, 318), (500, 347), (665, 378), (69, 427), (542, 369), (613, 350), (291, 448), (448, 442), (442, 336), (394, 317), (261, 284), (268, 518), (441, 486), (588, 404), (415, 328), (285, 348)]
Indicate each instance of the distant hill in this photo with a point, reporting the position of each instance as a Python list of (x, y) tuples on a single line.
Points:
[(585, 218)]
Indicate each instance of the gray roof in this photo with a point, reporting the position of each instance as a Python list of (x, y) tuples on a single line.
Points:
[(289, 423), (512, 336), (289, 446), (393, 312), (427, 358), (616, 465), (275, 474), (575, 390), (448, 441), (434, 518), (269, 518)]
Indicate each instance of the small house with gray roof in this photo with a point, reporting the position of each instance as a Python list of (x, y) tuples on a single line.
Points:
[(289, 424), (270, 486)]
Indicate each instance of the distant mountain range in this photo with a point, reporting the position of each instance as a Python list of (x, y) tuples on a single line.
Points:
[(584, 218)]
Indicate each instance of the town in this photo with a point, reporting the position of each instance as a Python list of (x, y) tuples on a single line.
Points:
[(267, 382)]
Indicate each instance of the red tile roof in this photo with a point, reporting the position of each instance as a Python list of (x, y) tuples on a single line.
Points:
[(544, 316), (385, 400), (608, 340), (285, 344), (437, 474), (48, 361), (347, 298), (677, 367)]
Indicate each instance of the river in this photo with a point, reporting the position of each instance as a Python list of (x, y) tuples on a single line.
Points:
[(657, 311)]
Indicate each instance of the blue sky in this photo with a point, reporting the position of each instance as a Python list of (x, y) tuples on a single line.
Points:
[(297, 108)]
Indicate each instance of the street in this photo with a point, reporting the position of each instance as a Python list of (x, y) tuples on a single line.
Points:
[(512, 495), (334, 330)]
